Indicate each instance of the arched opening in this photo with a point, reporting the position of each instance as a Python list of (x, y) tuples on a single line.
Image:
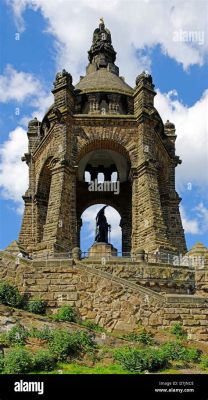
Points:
[(42, 198), (100, 177), (101, 164), (107, 164), (87, 176), (87, 233), (114, 176)]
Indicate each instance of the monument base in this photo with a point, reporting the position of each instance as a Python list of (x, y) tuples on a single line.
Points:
[(101, 249)]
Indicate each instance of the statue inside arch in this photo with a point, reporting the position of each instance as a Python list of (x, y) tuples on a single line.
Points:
[(102, 227)]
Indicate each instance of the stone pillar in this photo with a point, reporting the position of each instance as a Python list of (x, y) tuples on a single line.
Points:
[(144, 92), (63, 91), (27, 232), (79, 226), (93, 104), (27, 236), (60, 231), (113, 103), (148, 228), (125, 225)]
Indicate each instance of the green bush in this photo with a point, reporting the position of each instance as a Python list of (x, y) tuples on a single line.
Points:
[(192, 355), (37, 306), (175, 351), (84, 340), (17, 361), (93, 326), (17, 335), (44, 361), (1, 363), (64, 344), (138, 360), (4, 339), (65, 313), (45, 334), (204, 361), (10, 296), (143, 337), (178, 330)]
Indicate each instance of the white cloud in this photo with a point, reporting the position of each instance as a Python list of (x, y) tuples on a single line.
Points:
[(17, 86), (41, 105), (202, 214), (13, 172), (21, 87), (192, 136), (198, 224), (189, 225), (133, 24)]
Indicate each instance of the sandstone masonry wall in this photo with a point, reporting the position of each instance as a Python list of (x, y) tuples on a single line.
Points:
[(111, 301)]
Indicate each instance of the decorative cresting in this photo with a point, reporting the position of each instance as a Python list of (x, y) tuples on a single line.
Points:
[(102, 125)]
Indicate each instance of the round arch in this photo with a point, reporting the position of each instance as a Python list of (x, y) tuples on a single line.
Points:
[(106, 144)]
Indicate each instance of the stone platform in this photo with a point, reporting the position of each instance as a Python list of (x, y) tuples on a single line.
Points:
[(102, 249)]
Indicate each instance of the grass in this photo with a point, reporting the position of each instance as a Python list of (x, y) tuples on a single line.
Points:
[(98, 369)]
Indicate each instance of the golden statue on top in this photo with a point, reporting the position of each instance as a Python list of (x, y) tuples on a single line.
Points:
[(102, 21)]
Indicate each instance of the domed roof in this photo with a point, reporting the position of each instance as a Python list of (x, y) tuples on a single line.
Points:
[(103, 80)]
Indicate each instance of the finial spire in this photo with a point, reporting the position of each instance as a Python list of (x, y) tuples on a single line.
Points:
[(102, 53)]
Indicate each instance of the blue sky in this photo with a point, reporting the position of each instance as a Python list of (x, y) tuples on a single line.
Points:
[(57, 34)]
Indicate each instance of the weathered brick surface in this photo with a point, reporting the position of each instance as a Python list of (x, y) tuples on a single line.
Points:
[(111, 300)]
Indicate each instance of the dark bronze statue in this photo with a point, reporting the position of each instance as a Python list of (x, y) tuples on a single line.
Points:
[(102, 227)]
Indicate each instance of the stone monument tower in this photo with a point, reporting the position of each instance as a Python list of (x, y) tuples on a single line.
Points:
[(102, 125)]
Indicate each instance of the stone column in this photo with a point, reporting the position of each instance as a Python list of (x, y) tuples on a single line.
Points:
[(93, 103), (27, 232), (125, 225), (148, 228), (60, 231), (114, 103), (79, 226), (27, 236)]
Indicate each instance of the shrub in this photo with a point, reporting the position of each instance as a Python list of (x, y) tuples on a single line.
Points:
[(10, 296), (1, 363), (44, 361), (93, 326), (45, 334), (37, 306), (204, 361), (17, 361), (192, 354), (143, 337), (64, 344), (175, 351), (65, 313), (84, 340), (138, 360), (178, 330), (4, 339), (17, 335)]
